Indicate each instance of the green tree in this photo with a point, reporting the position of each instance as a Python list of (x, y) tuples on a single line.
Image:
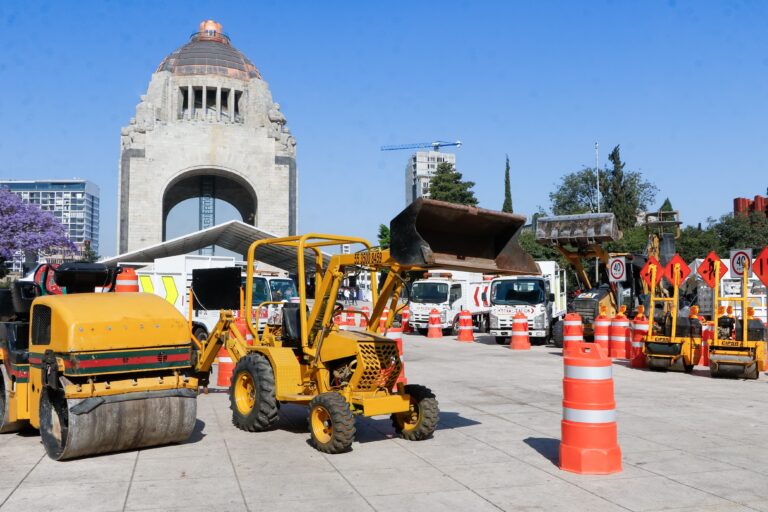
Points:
[(447, 185), (507, 206), (89, 255), (383, 236), (666, 206), (696, 242), (576, 193), (538, 252), (741, 231)]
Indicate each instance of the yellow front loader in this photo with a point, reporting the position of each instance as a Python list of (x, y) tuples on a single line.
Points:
[(305, 359)]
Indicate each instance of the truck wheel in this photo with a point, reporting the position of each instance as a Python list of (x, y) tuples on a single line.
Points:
[(6, 426), (482, 324), (331, 423), (421, 420), (455, 327), (252, 394), (200, 334), (502, 340), (421, 331), (557, 334)]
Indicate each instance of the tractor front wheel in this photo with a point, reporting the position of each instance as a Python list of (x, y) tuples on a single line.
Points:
[(420, 421), (331, 423), (252, 394)]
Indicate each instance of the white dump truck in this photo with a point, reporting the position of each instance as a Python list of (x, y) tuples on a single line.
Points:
[(541, 298), (449, 292), (171, 278)]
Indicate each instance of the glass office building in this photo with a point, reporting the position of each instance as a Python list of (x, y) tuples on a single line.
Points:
[(75, 203)]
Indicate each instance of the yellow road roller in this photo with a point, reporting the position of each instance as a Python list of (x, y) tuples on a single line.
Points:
[(94, 372)]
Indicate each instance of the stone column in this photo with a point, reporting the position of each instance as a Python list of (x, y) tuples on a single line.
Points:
[(190, 103), (218, 103), (205, 109), (231, 105)]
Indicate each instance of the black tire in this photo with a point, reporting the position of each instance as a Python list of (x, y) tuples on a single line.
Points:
[(455, 327), (688, 368), (482, 324), (424, 415), (752, 374), (5, 425), (502, 340), (200, 333), (252, 394), (557, 334), (331, 423), (422, 331), (538, 340)]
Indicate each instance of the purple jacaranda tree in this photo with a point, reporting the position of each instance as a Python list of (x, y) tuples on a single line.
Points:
[(26, 227)]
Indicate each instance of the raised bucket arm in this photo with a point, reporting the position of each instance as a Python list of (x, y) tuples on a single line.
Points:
[(431, 233)]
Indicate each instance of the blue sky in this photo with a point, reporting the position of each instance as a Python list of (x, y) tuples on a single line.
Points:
[(680, 85)]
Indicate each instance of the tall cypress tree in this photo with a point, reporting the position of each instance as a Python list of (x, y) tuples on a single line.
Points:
[(507, 207)]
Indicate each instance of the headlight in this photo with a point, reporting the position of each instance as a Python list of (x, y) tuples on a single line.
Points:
[(539, 321), (443, 316), (494, 322)]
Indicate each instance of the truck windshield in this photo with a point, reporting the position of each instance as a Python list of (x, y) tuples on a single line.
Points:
[(517, 292), (260, 290), (429, 293), (282, 289)]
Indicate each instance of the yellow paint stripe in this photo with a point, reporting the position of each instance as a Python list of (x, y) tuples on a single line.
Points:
[(146, 284), (171, 293)]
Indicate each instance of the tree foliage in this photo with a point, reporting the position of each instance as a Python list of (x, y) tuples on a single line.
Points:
[(507, 206), (741, 232), (383, 236), (447, 184), (89, 255), (625, 193), (25, 227), (696, 242), (666, 206)]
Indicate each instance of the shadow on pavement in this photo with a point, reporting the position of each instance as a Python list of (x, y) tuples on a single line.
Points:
[(485, 339), (197, 432), (546, 446)]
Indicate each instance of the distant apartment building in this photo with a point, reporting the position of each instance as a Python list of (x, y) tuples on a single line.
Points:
[(419, 171), (743, 205), (74, 203)]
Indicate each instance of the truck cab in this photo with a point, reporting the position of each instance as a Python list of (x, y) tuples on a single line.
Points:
[(449, 293), (542, 299)]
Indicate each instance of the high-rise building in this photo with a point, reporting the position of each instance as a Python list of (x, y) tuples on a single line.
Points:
[(420, 169), (75, 203)]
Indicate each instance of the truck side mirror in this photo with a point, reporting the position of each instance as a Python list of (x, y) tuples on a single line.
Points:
[(551, 297), (484, 297)]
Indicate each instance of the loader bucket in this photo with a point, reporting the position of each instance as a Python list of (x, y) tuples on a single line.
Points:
[(431, 233), (577, 230)]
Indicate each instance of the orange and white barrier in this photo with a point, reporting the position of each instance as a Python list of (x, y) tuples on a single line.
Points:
[(573, 331), (396, 333), (589, 442), (640, 326), (520, 339), (435, 330), (127, 281), (603, 331), (707, 335), (619, 337), (226, 367), (466, 329), (405, 318), (383, 320), (364, 317)]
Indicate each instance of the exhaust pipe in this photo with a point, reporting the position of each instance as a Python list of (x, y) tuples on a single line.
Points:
[(431, 234)]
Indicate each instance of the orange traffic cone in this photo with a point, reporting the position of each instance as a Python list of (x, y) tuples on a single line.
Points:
[(707, 335), (465, 327), (573, 331), (226, 366), (350, 319), (383, 320), (396, 333), (619, 335), (127, 281), (603, 330), (640, 326), (520, 339), (405, 317), (589, 443), (435, 331)]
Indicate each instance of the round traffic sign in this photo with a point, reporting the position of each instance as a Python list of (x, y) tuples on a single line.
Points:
[(617, 269), (740, 260)]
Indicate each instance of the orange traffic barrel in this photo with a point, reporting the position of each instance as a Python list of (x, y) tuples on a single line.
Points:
[(640, 326), (226, 366), (520, 339), (603, 330), (364, 317), (466, 330), (435, 330), (589, 443), (573, 331), (127, 281), (619, 335), (707, 335), (396, 333), (405, 318), (350, 318), (383, 320)]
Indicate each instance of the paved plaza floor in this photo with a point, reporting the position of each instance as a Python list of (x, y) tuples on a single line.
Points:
[(689, 443)]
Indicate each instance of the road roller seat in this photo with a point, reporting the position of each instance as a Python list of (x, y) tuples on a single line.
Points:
[(14, 338), (291, 332)]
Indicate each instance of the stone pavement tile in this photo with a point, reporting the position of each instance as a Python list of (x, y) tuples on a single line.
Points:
[(194, 494), (68, 497), (22, 449), (461, 451), (633, 444), (627, 471), (11, 472), (736, 484), (556, 496), (650, 493), (304, 459), (382, 455), (761, 506), (432, 502), (543, 422), (5, 491), (260, 487), (103, 468), (498, 474), (204, 465), (673, 462), (725, 507), (352, 503), (376, 481)]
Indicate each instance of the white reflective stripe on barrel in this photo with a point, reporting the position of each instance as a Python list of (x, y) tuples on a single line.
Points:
[(601, 337), (521, 321), (643, 327), (589, 416), (127, 282), (637, 344), (602, 322), (588, 372), (571, 322), (225, 359), (621, 323), (573, 338), (520, 333)]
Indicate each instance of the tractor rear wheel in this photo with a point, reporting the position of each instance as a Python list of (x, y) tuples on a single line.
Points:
[(331, 423), (252, 394), (421, 420)]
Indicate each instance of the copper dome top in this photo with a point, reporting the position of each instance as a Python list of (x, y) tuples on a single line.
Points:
[(209, 53)]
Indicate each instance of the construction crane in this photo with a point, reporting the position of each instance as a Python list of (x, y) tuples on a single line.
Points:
[(436, 145)]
